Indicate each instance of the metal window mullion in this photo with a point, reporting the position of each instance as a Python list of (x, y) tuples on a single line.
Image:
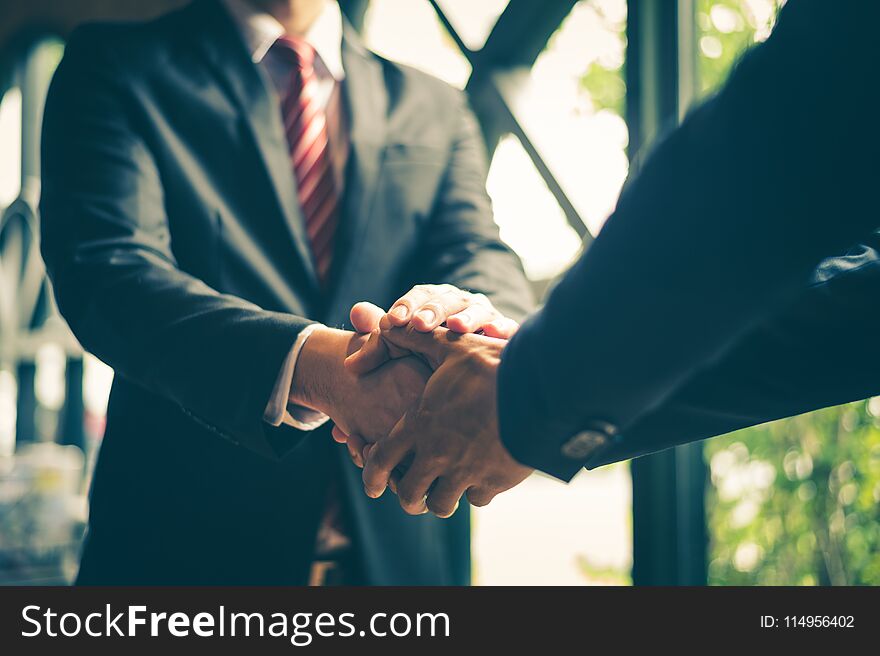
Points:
[(522, 32), (450, 29), (493, 111), (36, 75), (669, 523), (500, 105)]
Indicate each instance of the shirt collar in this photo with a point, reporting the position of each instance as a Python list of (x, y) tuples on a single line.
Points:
[(260, 30)]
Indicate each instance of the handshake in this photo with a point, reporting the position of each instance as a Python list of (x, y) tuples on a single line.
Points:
[(412, 394)]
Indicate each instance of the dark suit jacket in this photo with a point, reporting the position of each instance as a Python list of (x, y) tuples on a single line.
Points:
[(699, 305), (175, 245)]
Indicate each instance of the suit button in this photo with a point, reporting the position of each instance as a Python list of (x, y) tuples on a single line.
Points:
[(582, 445)]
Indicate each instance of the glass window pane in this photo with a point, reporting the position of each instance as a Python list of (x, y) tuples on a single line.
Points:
[(42, 506), (571, 106), (473, 20), (544, 532), (529, 217), (8, 409), (423, 43), (10, 147), (10, 185), (97, 380)]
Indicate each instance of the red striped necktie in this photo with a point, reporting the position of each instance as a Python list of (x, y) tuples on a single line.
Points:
[(305, 122)]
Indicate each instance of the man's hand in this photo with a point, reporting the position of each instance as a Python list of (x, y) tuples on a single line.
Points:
[(425, 307), (362, 405), (451, 435)]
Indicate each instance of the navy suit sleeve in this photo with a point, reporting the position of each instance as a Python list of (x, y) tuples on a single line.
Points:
[(107, 246), (723, 225), (813, 354)]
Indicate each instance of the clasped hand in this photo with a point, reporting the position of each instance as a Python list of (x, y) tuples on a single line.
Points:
[(438, 405)]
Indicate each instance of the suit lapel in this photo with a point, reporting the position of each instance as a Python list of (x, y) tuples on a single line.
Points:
[(247, 84), (366, 105)]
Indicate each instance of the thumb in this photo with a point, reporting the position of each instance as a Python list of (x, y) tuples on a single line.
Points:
[(371, 355), (391, 343), (365, 317), (432, 347)]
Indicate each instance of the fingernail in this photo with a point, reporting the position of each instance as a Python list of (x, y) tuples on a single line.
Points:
[(464, 317), (426, 316), (372, 494), (400, 311)]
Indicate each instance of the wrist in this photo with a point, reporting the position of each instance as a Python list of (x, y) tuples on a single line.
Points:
[(319, 374)]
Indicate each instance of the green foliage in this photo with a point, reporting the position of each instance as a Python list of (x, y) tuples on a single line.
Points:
[(606, 87), (604, 81), (797, 501), (725, 28), (599, 575)]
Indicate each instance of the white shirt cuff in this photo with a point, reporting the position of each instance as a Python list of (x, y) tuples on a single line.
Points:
[(279, 410)]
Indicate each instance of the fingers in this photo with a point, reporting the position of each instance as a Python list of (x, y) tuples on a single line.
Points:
[(371, 355), (412, 489), (365, 317), (433, 347), (396, 473), (481, 496), (384, 456), (427, 306), (376, 352), (422, 310), (392, 482), (438, 308), (472, 318), (444, 497), (355, 445), (339, 435), (501, 328), (404, 308), (389, 344)]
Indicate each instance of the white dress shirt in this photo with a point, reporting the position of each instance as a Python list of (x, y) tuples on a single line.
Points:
[(260, 31)]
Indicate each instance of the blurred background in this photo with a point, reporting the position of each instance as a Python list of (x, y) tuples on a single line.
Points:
[(569, 94)]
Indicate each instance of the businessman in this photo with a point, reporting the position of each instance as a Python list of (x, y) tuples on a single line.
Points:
[(735, 283), (219, 187)]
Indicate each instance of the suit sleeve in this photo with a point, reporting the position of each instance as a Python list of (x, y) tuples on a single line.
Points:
[(813, 354), (107, 246), (724, 223), (462, 245)]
